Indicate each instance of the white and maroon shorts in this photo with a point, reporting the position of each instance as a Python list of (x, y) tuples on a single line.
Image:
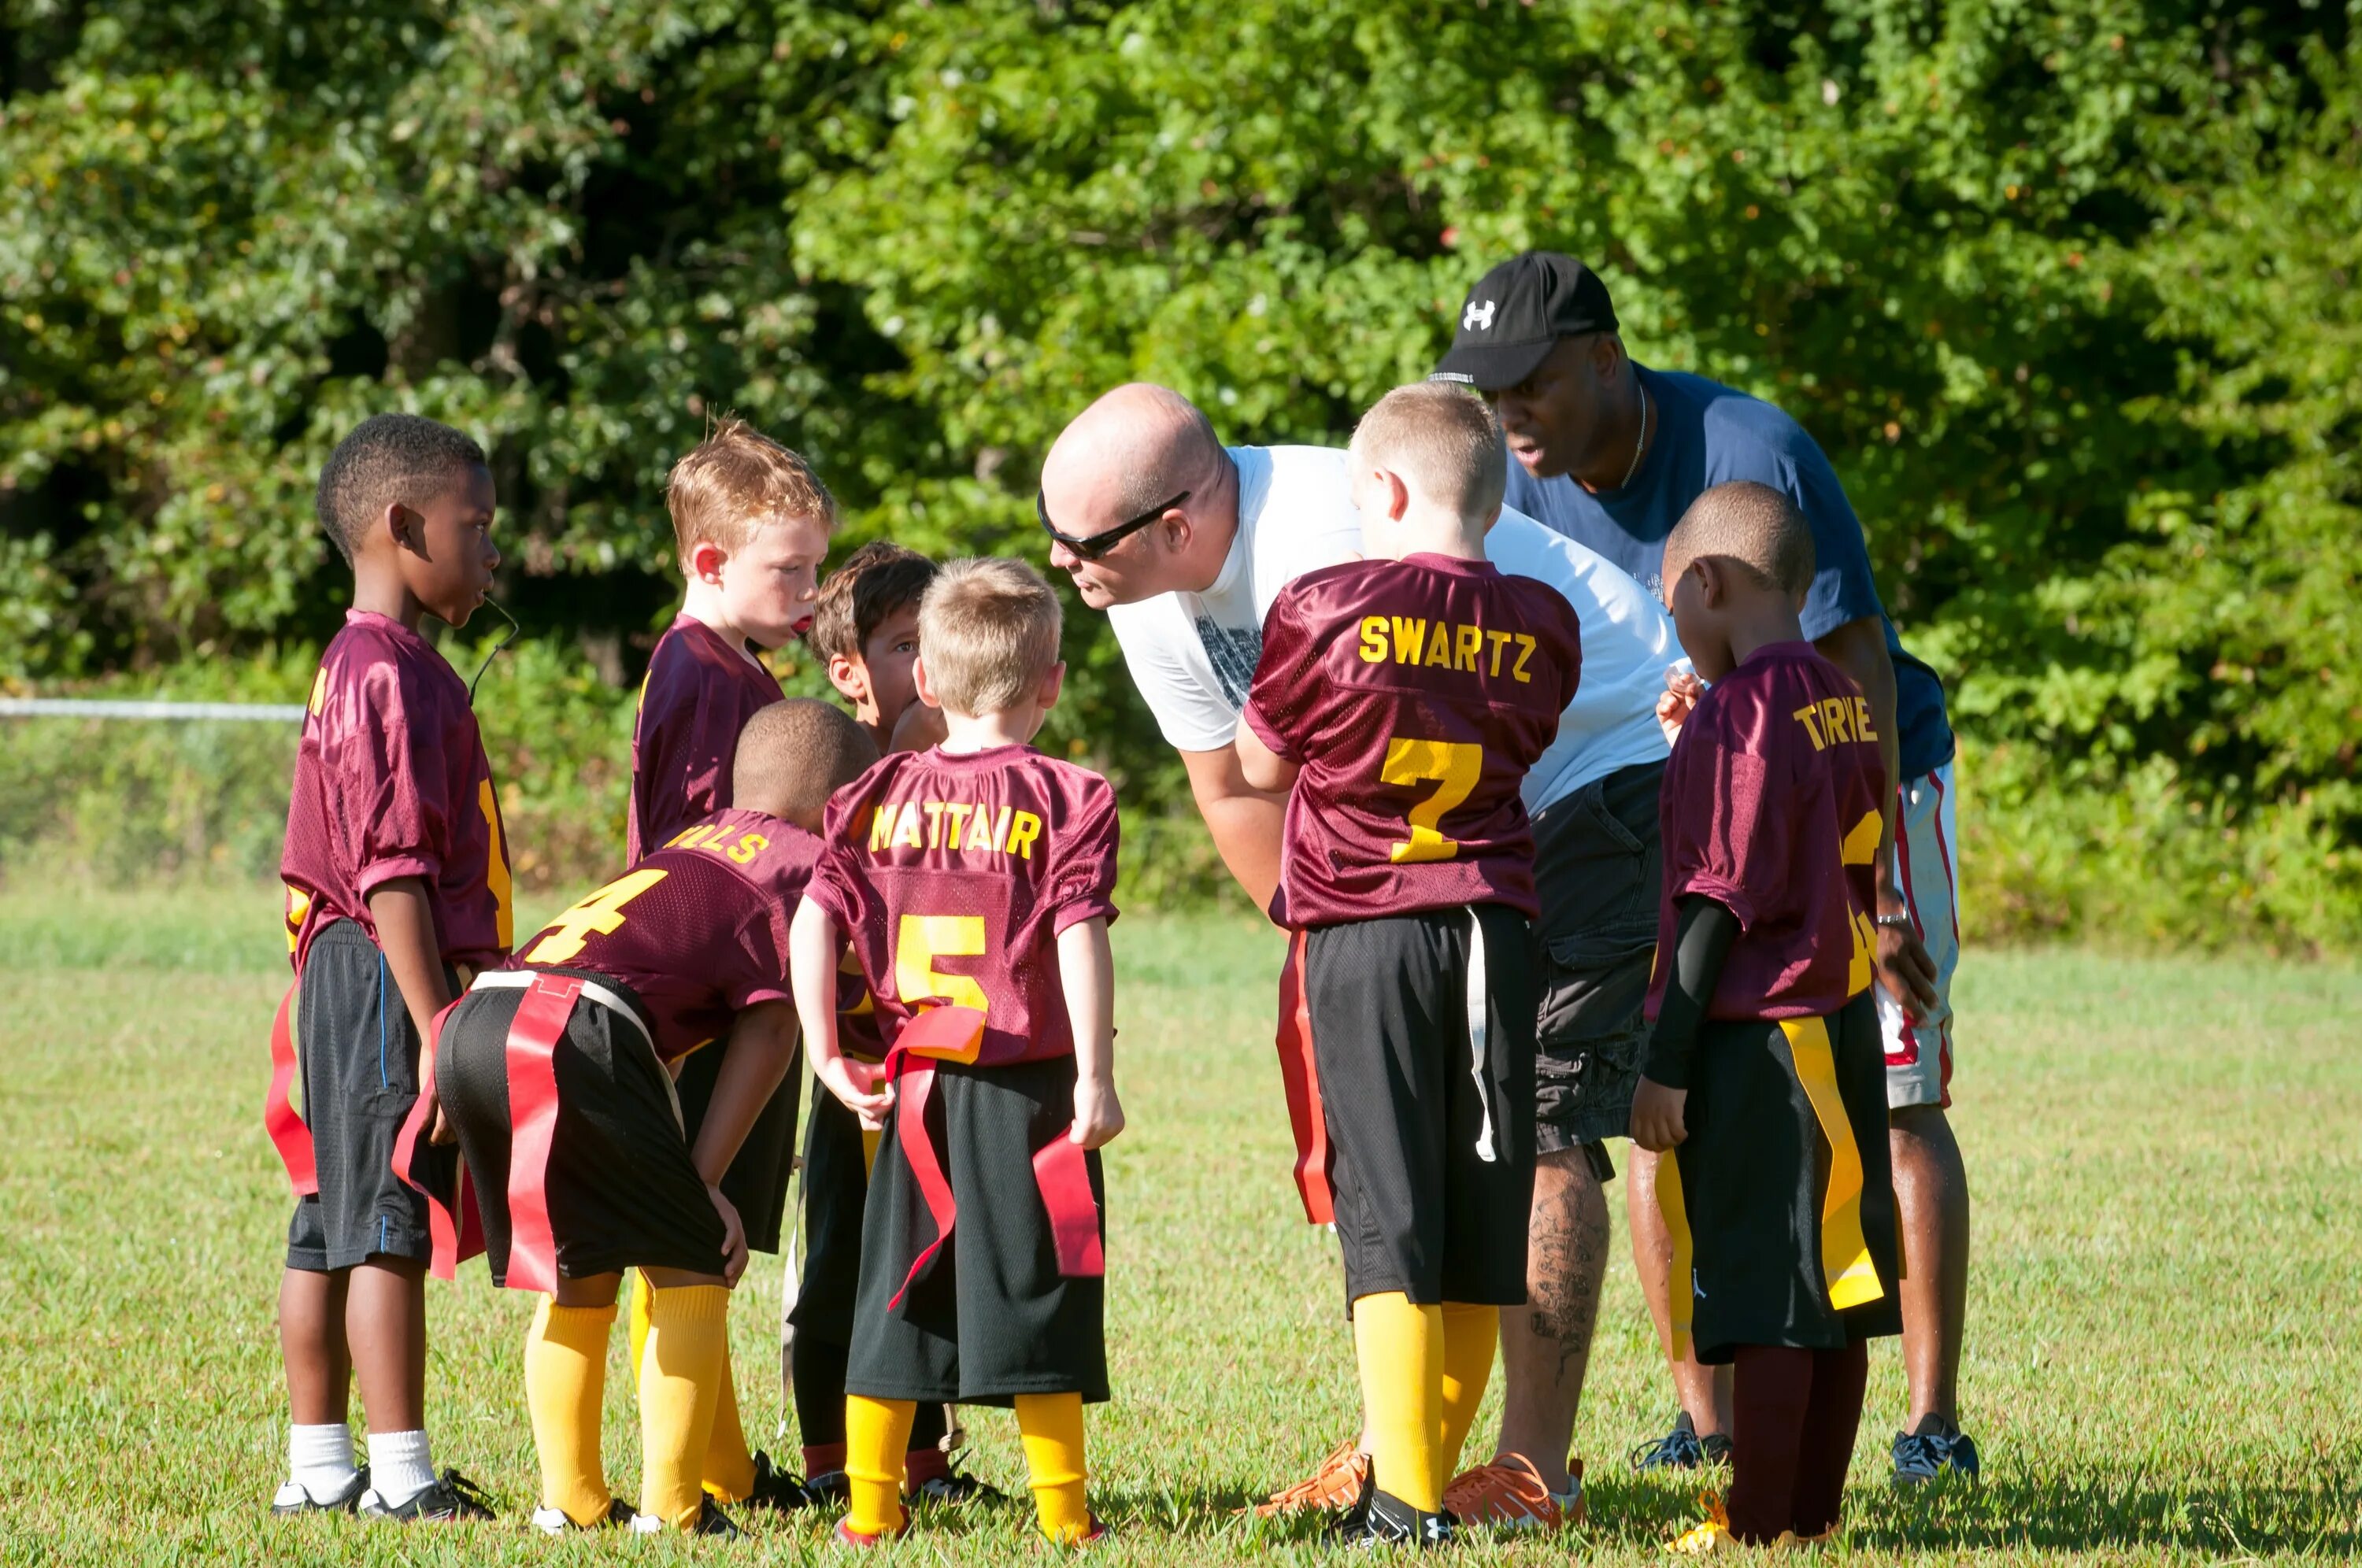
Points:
[(1919, 1051)]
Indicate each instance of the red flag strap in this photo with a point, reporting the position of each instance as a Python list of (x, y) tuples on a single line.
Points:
[(1301, 1079), (289, 1135), (540, 1022), (1062, 1175), (455, 1231)]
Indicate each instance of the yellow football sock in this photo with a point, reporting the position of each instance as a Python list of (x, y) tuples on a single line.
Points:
[(638, 1321), (681, 1375), (565, 1383), (1052, 1427), (1469, 1335), (729, 1467), (877, 1433), (1400, 1348)]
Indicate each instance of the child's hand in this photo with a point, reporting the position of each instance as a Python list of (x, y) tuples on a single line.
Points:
[(438, 1127), (1656, 1116), (1683, 689), (1099, 1116), (856, 1085), (733, 1236)]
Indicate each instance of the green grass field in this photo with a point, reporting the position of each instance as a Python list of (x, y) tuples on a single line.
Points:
[(2164, 1352)]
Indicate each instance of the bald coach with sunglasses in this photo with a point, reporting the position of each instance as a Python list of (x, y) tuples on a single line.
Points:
[(1184, 543)]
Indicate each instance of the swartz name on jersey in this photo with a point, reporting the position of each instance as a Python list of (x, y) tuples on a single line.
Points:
[(1413, 695), (952, 876), (697, 931)]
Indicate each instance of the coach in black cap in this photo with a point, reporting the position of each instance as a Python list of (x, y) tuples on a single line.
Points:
[(1610, 453)]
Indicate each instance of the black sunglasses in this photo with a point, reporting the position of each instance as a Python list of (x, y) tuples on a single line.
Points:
[(1093, 547)]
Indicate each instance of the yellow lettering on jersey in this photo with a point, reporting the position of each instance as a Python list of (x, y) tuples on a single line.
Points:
[(1836, 717), (1499, 640), (601, 913), (1862, 720), (1860, 847), (1374, 639), (882, 828), (749, 845), (496, 865), (299, 904), (319, 691), (1525, 652), (1439, 648), (906, 828), (1022, 834), (955, 813), (935, 810), (979, 828), (1809, 716), (1467, 643), (1410, 635)]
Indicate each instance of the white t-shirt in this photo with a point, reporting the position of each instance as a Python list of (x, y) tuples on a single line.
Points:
[(1193, 655)]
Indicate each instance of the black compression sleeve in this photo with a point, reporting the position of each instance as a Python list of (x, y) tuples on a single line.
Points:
[(1703, 930)]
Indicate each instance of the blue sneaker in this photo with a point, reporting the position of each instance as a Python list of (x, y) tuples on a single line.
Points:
[(1683, 1448), (1923, 1455)]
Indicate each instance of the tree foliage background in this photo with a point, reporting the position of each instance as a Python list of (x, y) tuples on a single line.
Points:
[(2066, 287)]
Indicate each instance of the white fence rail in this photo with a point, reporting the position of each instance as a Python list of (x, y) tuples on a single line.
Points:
[(97, 708)]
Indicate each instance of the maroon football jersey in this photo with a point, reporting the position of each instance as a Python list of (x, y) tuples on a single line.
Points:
[(1414, 694), (698, 929), (953, 875), (392, 781), (1771, 806), (699, 694)]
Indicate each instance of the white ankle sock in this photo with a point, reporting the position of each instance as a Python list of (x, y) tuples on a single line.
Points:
[(320, 1458), (399, 1467)]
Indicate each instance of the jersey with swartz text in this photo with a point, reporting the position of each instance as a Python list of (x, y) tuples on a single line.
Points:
[(1413, 694), (698, 929), (1771, 806), (699, 694), (955, 875), (392, 781)]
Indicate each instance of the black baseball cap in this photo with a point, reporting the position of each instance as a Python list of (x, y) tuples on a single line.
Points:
[(1515, 314)]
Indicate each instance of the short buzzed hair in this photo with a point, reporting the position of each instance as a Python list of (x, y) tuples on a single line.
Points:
[(736, 481), (793, 754), (988, 633), (388, 459), (1748, 523), (1443, 442), (874, 582)]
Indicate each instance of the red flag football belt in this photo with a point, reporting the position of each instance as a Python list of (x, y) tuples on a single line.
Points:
[(1301, 1081), (1061, 1173), (289, 1135)]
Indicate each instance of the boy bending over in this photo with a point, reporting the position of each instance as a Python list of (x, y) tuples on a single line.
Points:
[(1403, 697), (1765, 1074), (396, 881), (556, 1074), (974, 880)]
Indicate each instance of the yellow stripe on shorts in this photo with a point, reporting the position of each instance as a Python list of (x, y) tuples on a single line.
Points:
[(1680, 1300), (1844, 1255)]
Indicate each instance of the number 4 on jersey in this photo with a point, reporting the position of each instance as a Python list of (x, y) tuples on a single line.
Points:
[(601, 913)]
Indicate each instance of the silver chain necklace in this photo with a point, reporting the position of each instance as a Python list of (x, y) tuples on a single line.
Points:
[(1638, 444)]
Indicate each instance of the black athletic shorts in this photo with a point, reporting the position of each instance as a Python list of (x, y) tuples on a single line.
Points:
[(1598, 872), (835, 1192), (992, 1317), (756, 1182), (357, 1052), (1756, 1172), (621, 1189), (1421, 1207)]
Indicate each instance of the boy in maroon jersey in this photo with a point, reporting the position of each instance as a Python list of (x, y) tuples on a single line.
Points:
[(1403, 698), (1765, 1074), (554, 1073), (974, 880), (396, 879), (866, 627), (751, 522)]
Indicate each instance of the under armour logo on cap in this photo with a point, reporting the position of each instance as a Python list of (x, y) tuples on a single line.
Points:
[(1478, 317), (1518, 312)]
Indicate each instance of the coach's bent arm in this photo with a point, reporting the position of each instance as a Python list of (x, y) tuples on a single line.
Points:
[(1859, 647), (1244, 821)]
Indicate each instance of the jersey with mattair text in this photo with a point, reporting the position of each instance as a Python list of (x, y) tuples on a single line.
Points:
[(1771, 806), (1413, 694), (698, 929), (392, 781), (699, 694), (953, 876)]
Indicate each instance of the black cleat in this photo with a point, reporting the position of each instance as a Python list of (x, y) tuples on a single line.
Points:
[(711, 1520), (554, 1521), (1380, 1519), (830, 1488), (451, 1498), (1683, 1448), (958, 1489), (777, 1489), (1938, 1446), (293, 1499)]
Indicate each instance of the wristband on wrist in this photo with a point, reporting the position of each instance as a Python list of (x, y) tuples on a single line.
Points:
[(1899, 921)]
